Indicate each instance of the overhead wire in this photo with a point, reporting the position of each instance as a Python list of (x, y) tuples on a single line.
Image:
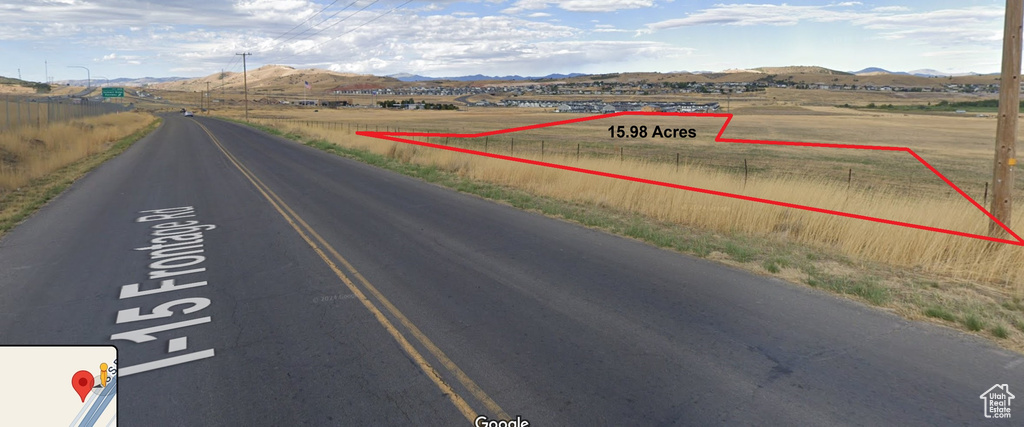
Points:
[(305, 21), (342, 19), (325, 20), (235, 61), (349, 31)]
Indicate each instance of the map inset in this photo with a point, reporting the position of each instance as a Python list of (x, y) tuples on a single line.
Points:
[(60, 385)]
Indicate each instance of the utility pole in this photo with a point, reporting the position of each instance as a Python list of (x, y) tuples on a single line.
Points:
[(1006, 128), (245, 82), (208, 98), (46, 71)]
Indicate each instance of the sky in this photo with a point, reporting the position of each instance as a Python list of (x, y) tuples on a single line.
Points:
[(190, 38)]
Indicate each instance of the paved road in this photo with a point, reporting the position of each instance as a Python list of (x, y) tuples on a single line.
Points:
[(328, 292)]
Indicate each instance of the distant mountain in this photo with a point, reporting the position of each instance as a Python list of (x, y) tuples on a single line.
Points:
[(927, 72), (924, 72), (871, 70), (406, 77), (799, 69), (875, 71), (122, 81)]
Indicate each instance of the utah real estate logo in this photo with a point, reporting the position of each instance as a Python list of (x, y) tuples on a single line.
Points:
[(997, 401)]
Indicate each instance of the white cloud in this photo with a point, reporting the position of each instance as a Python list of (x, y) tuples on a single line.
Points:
[(949, 53), (607, 28), (578, 5), (603, 5), (945, 27), (891, 9), (444, 37), (754, 14), (367, 66)]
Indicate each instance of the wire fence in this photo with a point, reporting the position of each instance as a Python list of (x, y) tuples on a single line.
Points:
[(39, 112)]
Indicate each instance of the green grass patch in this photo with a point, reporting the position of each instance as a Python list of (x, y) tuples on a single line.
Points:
[(973, 323), (982, 106), (867, 289), (775, 264), (1000, 331), (739, 252), (940, 313)]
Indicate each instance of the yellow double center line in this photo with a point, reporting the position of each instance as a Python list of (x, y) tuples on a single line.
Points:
[(322, 248)]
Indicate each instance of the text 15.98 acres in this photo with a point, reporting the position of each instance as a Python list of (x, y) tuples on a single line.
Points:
[(641, 132)]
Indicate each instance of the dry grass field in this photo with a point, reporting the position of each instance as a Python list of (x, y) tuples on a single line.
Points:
[(954, 280), (32, 152), (888, 185)]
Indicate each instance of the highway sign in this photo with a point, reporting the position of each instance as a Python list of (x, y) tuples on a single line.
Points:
[(113, 92)]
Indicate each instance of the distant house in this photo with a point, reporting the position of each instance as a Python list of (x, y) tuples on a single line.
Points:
[(608, 109), (571, 108)]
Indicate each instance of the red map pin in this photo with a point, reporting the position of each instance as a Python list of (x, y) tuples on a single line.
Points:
[(82, 382)]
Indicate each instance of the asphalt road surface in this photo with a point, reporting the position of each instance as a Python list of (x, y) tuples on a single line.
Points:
[(249, 280)]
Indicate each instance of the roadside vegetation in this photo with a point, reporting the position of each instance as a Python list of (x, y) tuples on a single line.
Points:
[(963, 283), (37, 164), (982, 106), (35, 86)]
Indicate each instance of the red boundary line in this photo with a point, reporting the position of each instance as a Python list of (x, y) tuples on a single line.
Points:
[(393, 136)]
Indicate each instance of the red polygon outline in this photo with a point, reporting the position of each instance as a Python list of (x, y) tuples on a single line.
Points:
[(393, 136)]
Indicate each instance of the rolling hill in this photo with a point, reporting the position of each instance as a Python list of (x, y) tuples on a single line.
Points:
[(276, 78)]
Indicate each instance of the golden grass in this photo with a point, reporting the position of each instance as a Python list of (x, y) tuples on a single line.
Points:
[(960, 258), (29, 153)]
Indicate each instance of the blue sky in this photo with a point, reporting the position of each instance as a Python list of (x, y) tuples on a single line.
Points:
[(130, 38)]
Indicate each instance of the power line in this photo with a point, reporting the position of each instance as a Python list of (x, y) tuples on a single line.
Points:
[(336, 23), (307, 20), (349, 31), (234, 60), (231, 63)]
